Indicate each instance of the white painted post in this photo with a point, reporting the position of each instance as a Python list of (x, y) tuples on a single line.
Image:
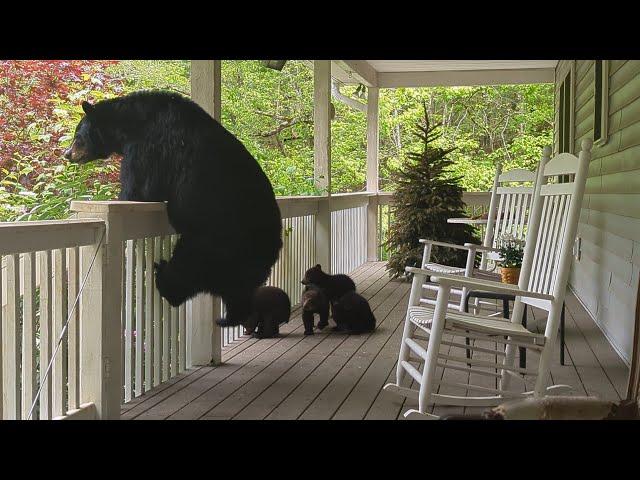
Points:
[(322, 158), (203, 340), (204, 344), (100, 313), (205, 85), (372, 173)]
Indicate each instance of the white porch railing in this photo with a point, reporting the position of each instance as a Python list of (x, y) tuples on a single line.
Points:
[(299, 215), (42, 272), (122, 338)]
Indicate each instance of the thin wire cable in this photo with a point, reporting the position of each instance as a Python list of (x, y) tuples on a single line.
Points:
[(64, 329)]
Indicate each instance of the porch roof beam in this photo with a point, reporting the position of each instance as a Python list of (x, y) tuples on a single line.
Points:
[(357, 71), (460, 78)]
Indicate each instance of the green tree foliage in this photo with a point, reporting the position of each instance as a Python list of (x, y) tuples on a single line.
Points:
[(426, 195), (486, 125), (271, 112)]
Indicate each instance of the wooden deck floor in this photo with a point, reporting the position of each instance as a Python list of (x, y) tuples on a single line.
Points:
[(336, 376)]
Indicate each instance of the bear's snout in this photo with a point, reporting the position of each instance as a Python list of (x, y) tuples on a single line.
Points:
[(76, 154)]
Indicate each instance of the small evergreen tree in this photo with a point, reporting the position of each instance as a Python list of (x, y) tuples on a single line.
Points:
[(426, 195)]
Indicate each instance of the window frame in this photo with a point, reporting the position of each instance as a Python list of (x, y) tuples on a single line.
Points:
[(601, 102), (566, 106)]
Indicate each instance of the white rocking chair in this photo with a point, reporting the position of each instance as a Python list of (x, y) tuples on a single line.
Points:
[(543, 281), (508, 213)]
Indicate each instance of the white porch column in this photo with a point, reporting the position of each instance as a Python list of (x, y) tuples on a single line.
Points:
[(372, 173), (204, 344), (101, 299), (322, 158)]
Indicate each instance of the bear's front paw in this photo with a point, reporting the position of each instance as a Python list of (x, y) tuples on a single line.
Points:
[(227, 322), (159, 266), (168, 289)]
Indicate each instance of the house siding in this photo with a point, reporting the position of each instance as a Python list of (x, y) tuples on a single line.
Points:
[(605, 279)]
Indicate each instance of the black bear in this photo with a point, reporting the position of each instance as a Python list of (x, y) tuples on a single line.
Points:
[(269, 308), (334, 286), (314, 301), (352, 313), (218, 197)]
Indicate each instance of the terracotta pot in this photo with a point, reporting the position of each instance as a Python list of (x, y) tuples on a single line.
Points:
[(510, 275)]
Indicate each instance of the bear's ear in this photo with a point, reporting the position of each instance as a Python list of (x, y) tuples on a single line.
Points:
[(318, 267), (87, 107)]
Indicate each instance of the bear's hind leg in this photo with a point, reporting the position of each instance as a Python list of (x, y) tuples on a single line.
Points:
[(307, 320), (238, 308), (268, 328), (180, 278), (324, 318)]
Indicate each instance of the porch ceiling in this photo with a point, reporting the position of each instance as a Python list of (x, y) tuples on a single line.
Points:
[(428, 73)]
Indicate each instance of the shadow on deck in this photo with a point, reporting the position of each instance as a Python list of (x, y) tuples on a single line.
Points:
[(336, 376)]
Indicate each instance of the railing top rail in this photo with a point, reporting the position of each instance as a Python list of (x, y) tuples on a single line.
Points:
[(36, 225), (116, 206), (22, 237), (354, 194), (296, 206), (324, 197)]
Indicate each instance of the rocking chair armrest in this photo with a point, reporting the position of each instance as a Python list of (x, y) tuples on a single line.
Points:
[(478, 284), (481, 248), (443, 244)]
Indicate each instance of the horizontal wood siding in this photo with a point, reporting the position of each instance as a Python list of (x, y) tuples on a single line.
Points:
[(605, 278)]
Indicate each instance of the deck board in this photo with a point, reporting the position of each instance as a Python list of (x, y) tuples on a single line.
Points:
[(331, 375)]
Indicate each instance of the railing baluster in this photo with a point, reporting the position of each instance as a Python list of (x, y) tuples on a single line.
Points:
[(1, 342), (166, 316), (157, 319), (149, 314), (174, 328), (29, 348), (46, 332), (140, 316), (12, 397), (129, 354), (123, 319), (182, 315), (73, 332), (60, 298)]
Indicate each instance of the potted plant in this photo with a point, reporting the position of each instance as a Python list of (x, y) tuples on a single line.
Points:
[(511, 253)]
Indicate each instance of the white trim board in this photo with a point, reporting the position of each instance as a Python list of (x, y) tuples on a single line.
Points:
[(461, 78), (622, 356)]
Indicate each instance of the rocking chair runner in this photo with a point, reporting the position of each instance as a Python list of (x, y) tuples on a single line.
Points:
[(543, 281), (508, 213)]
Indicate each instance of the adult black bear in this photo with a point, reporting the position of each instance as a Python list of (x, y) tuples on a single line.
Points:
[(334, 286), (218, 197), (314, 301), (270, 307), (352, 313)]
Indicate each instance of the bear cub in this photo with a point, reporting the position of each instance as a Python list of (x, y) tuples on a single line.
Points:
[(314, 301), (352, 314), (333, 286), (270, 306)]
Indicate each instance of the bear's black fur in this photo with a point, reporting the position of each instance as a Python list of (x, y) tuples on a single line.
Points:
[(218, 197), (314, 301), (269, 308), (352, 313), (334, 286)]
